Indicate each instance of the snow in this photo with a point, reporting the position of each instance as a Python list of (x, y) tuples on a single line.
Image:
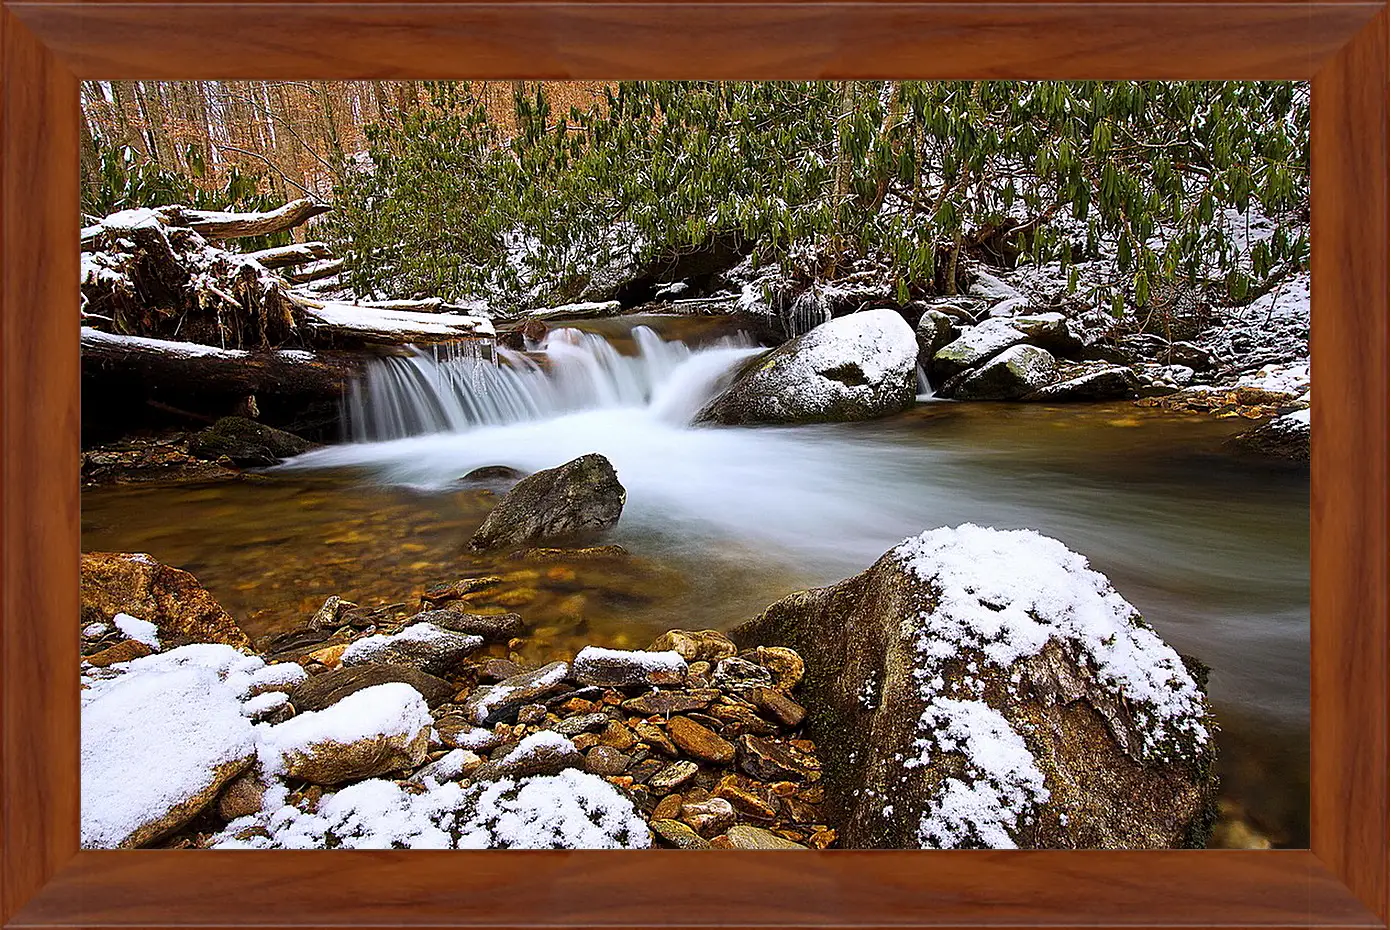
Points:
[(539, 743), (1291, 378), (595, 661), (978, 343), (280, 677), (264, 703), (1006, 593), (475, 738), (990, 288), (381, 710), (152, 739), (572, 810), (402, 323), (419, 641), (140, 630), (1005, 787), (95, 630)]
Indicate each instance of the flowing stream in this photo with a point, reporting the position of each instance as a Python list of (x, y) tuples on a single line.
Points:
[(1212, 548)]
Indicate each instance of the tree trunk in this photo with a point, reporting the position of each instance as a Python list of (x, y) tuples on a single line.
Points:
[(288, 255), (215, 224)]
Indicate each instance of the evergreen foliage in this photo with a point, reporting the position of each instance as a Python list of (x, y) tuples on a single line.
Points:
[(826, 177)]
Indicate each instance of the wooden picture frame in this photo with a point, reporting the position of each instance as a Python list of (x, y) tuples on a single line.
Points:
[(49, 45)]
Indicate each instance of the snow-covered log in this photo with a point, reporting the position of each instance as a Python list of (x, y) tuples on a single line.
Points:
[(301, 253), (316, 271), (355, 323), (179, 367), (216, 224)]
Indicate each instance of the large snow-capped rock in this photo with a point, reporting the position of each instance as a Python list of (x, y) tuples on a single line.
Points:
[(855, 367), (370, 732), (984, 688), (160, 739), (974, 346)]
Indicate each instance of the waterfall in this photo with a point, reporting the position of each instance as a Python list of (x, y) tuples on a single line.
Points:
[(459, 386)]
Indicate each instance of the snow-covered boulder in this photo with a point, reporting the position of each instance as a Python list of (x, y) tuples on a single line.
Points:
[(134, 584), (159, 741), (619, 667), (1014, 373), (1050, 331), (580, 498), (984, 688), (370, 732), (1089, 381), (973, 347), (572, 810), (1285, 437), (422, 645), (855, 367)]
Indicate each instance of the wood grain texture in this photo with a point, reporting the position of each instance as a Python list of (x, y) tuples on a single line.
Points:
[(39, 471), (720, 889), (683, 40), (1348, 472), (44, 882)]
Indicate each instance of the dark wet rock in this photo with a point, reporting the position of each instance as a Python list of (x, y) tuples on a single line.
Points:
[(700, 741), (739, 675), (493, 670), (531, 713), (774, 760), (246, 442), (934, 331), (328, 617), (585, 723), (443, 592), (493, 628), (855, 367), (1092, 761), (708, 817), (1089, 383), (785, 665), (1050, 331), (320, 691), (737, 717), (127, 650), (133, 583), (605, 760), (1014, 373), (1285, 437), (673, 776), (778, 706), (677, 835), (491, 704), (656, 703), (493, 475), (695, 645), (579, 498)]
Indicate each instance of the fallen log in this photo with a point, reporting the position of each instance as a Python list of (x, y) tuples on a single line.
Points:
[(301, 253), (216, 224), (316, 272), (200, 368), (354, 324)]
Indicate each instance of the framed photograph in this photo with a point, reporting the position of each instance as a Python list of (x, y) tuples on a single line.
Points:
[(519, 464)]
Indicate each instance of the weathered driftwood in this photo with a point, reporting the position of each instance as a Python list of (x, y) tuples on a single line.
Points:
[(316, 271), (185, 367), (424, 305), (216, 224), (301, 253)]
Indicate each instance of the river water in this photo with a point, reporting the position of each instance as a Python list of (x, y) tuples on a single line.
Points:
[(1212, 548)]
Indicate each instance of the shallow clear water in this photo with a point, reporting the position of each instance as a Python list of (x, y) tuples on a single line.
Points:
[(1212, 548)]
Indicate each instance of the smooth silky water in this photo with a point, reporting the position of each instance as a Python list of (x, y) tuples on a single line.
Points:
[(1212, 548)]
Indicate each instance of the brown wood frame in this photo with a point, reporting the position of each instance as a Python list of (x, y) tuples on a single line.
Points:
[(48, 45)]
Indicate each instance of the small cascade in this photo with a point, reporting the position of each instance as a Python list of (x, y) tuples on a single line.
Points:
[(925, 389), (460, 386)]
